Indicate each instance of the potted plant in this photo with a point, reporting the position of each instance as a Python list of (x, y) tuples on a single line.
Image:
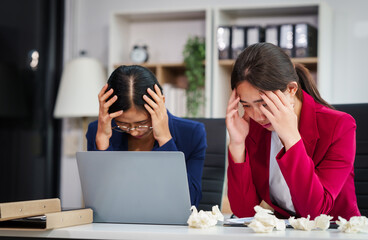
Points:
[(194, 55)]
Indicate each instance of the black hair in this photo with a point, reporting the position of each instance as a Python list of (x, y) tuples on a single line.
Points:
[(130, 83), (267, 67)]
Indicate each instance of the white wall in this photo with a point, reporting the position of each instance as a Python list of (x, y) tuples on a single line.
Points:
[(87, 28)]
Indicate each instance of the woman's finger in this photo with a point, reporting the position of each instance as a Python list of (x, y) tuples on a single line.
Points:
[(150, 110), (103, 90), (267, 113), (106, 95), (232, 96), (231, 114), (161, 101), (283, 99), (158, 91), (233, 104), (150, 102), (275, 99), (110, 102), (269, 103), (116, 114), (155, 97)]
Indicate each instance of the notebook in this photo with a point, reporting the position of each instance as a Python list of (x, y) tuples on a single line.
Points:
[(135, 187)]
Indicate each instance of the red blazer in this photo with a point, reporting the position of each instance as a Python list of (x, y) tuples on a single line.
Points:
[(319, 169)]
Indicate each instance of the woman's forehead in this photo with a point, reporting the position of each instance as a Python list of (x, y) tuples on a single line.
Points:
[(247, 92), (133, 115)]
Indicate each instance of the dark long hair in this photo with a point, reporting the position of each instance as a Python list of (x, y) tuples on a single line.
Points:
[(130, 83), (267, 67)]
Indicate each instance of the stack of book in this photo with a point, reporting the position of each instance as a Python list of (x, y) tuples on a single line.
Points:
[(175, 99), (41, 214)]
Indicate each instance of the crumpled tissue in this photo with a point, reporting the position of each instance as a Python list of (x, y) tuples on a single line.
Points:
[(302, 223), (204, 219), (264, 221), (354, 225), (323, 221)]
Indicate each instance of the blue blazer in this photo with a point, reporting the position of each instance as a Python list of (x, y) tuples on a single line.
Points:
[(188, 137)]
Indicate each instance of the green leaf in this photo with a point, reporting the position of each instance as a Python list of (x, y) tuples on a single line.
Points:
[(194, 54)]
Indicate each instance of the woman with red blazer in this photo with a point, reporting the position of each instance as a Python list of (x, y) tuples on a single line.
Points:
[(289, 151)]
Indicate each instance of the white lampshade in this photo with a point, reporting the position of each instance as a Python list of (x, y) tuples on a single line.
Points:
[(81, 81)]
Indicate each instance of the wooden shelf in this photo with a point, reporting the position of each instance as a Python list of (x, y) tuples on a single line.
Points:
[(153, 65), (165, 72), (306, 61)]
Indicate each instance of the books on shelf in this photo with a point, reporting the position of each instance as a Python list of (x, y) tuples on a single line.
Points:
[(41, 214), (175, 99), (298, 40)]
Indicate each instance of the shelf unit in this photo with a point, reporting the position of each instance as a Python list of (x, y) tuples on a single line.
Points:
[(165, 33), (316, 14)]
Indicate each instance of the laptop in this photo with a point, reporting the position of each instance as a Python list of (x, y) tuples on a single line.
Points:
[(135, 187)]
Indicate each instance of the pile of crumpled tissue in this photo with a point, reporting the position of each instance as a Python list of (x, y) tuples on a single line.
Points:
[(204, 219), (264, 221), (321, 222), (354, 225)]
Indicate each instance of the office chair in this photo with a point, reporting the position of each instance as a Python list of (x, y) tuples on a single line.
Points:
[(360, 113), (214, 163)]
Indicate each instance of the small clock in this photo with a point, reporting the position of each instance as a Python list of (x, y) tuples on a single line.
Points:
[(139, 54)]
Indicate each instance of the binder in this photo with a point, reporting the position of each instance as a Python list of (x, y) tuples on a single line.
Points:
[(50, 220), (238, 42), (255, 34), (272, 34), (305, 40), (287, 38), (224, 37), (22, 209)]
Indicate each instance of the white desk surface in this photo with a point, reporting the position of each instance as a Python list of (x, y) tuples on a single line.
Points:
[(170, 232)]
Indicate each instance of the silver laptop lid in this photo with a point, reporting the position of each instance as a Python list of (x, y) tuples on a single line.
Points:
[(135, 187)]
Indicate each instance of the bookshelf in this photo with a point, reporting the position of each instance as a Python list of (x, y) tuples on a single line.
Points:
[(165, 33), (318, 15)]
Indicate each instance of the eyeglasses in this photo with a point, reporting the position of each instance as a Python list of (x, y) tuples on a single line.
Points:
[(125, 129)]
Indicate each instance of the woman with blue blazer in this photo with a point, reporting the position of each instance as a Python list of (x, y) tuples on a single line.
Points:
[(133, 117)]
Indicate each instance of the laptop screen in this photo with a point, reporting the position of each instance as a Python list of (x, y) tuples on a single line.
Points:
[(135, 187)]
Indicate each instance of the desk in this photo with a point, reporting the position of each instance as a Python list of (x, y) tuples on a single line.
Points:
[(170, 232)]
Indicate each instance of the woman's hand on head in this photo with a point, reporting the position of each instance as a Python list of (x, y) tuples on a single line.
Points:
[(159, 117), (237, 126), (104, 130), (280, 113)]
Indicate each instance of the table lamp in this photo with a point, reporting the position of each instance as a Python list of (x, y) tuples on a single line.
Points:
[(81, 81)]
